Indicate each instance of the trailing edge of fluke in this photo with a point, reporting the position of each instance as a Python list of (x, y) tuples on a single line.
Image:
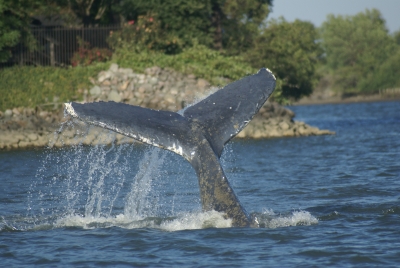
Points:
[(199, 135)]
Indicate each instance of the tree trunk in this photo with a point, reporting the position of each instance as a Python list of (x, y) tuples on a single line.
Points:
[(216, 24)]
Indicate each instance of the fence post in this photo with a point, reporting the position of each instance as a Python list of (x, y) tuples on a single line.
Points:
[(52, 59)]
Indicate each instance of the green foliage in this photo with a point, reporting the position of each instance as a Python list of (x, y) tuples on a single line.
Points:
[(396, 36), (86, 12), (145, 34), (13, 24), (34, 86), (356, 47), (386, 75), (222, 24), (179, 21), (240, 21), (291, 52), (87, 55), (199, 60)]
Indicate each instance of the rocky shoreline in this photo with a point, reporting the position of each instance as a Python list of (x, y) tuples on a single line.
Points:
[(157, 88)]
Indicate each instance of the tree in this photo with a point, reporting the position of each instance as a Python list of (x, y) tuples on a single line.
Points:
[(14, 22), (396, 36), (76, 12), (385, 76), (291, 52), (355, 48), (183, 20), (221, 24), (236, 23)]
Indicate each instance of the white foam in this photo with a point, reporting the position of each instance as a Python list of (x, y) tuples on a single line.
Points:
[(296, 218), (209, 219), (187, 221)]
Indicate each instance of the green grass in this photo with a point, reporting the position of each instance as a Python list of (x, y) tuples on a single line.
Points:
[(198, 60), (36, 86)]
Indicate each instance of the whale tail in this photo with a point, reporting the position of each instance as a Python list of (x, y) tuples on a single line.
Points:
[(199, 135)]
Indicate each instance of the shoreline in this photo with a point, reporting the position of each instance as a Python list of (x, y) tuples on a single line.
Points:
[(320, 98), (156, 88), (27, 129)]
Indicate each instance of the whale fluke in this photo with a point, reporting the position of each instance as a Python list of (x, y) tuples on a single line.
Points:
[(199, 135)]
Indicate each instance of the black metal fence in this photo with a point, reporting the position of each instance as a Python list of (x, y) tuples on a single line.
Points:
[(56, 45)]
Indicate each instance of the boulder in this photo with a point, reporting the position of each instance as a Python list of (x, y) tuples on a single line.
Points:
[(95, 91), (113, 68), (114, 96)]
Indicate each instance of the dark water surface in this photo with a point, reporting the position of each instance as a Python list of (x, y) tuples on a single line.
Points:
[(328, 200)]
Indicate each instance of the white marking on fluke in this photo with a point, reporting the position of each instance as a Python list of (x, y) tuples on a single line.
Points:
[(271, 73), (70, 110), (176, 149)]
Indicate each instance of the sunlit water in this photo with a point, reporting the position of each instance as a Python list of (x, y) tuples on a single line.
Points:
[(328, 200)]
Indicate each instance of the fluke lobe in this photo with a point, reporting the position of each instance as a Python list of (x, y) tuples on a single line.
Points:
[(199, 135)]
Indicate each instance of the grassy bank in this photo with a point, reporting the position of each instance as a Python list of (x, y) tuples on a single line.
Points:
[(40, 86), (37, 86), (198, 60)]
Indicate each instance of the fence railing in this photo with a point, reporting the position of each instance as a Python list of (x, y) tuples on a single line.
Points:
[(56, 45)]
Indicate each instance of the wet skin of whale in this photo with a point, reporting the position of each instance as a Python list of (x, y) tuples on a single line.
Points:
[(199, 135)]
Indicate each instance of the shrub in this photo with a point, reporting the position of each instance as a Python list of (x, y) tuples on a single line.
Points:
[(86, 55), (198, 60), (145, 34)]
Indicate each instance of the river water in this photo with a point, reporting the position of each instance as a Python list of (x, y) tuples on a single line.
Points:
[(321, 201)]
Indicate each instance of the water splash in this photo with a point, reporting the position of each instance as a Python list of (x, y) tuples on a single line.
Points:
[(184, 221), (102, 181), (82, 180), (138, 205), (269, 219), (129, 186)]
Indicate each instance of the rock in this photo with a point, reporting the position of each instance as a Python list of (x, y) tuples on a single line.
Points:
[(39, 143), (68, 133), (32, 136), (288, 133), (95, 91), (114, 81), (284, 125), (114, 96), (258, 134), (152, 71), (103, 76), (124, 86), (15, 111), (106, 83), (8, 113), (126, 71), (127, 95), (202, 83), (8, 138), (273, 133), (43, 114), (28, 112), (153, 80), (113, 68), (24, 144)]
